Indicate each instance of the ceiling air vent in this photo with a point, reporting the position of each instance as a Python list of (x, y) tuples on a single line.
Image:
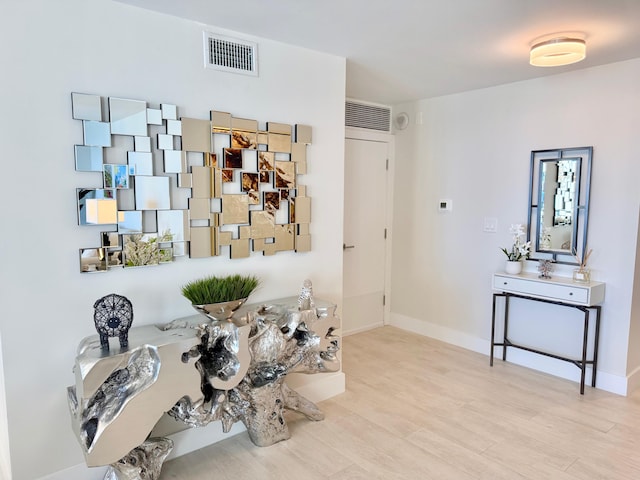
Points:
[(230, 54), (365, 115)]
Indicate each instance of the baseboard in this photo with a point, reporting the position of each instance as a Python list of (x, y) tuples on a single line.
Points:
[(316, 389), (353, 331), (633, 380), (604, 381)]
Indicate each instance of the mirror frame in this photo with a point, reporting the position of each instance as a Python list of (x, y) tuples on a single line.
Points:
[(580, 219)]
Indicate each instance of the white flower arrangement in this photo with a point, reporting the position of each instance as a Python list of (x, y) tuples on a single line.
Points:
[(520, 249)]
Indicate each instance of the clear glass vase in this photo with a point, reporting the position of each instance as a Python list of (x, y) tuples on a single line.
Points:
[(582, 275)]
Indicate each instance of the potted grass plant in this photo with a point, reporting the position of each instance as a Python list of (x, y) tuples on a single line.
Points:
[(219, 297)]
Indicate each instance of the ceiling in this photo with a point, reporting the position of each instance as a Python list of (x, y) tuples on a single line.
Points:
[(402, 50)]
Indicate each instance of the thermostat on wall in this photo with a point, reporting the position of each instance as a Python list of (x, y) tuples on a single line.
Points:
[(445, 206)]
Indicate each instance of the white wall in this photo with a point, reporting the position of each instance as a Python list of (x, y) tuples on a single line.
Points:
[(50, 49), (474, 148)]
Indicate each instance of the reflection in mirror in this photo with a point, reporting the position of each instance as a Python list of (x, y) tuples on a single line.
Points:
[(128, 117), (152, 193), (88, 159), (86, 107), (142, 144), (174, 223), (559, 204), (96, 134), (140, 163), (92, 260), (110, 240), (558, 191), (140, 250), (130, 221), (154, 116), (96, 206)]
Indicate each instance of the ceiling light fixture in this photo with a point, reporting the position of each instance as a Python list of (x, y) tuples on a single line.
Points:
[(557, 52)]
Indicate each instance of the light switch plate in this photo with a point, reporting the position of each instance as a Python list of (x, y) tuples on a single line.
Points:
[(490, 224)]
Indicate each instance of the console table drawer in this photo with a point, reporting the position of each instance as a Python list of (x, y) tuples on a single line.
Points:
[(551, 291)]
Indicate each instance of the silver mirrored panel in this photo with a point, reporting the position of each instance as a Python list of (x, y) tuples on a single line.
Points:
[(96, 134), (115, 176), (128, 117), (173, 223), (154, 116), (88, 159), (140, 163), (93, 260), (111, 239), (97, 206), (179, 249), (142, 144), (152, 193), (130, 221), (169, 112), (165, 142), (173, 161), (86, 107), (174, 127)]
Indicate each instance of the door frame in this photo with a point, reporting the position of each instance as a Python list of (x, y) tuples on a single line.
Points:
[(353, 133)]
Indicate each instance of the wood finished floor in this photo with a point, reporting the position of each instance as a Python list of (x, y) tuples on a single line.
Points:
[(417, 408)]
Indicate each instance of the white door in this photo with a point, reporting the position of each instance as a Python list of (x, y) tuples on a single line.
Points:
[(364, 234)]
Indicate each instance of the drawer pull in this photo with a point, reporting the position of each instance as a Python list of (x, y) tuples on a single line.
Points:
[(570, 294), (504, 283)]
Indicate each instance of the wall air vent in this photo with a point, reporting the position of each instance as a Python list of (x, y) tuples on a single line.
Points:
[(230, 54), (369, 116)]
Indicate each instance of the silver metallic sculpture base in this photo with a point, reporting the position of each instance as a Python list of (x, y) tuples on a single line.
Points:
[(143, 462), (199, 371)]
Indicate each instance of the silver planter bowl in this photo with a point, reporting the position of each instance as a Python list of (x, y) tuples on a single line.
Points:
[(220, 311)]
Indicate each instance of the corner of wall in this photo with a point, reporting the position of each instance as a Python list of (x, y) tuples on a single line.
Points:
[(5, 459)]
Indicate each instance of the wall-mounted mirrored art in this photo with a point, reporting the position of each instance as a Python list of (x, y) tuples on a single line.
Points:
[(177, 186)]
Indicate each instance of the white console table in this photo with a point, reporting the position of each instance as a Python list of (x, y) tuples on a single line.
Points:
[(585, 297)]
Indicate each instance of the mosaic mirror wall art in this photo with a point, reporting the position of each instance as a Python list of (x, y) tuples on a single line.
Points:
[(166, 186)]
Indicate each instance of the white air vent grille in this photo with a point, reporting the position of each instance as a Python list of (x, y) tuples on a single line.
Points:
[(230, 54), (363, 115)]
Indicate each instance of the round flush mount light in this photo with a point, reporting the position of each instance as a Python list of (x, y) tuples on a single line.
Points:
[(557, 52)]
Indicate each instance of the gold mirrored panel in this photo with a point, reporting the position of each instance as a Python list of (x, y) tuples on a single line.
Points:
[(279, 143), (235, 209), (196, 135), (220, 122), (303, 134), (285, 175), (282, 128)]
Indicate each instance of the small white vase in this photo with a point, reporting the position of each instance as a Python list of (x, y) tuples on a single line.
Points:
[(513, 267)]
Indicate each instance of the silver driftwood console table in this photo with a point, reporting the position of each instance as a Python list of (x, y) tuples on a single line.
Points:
[(557, 291), (198, 371)]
